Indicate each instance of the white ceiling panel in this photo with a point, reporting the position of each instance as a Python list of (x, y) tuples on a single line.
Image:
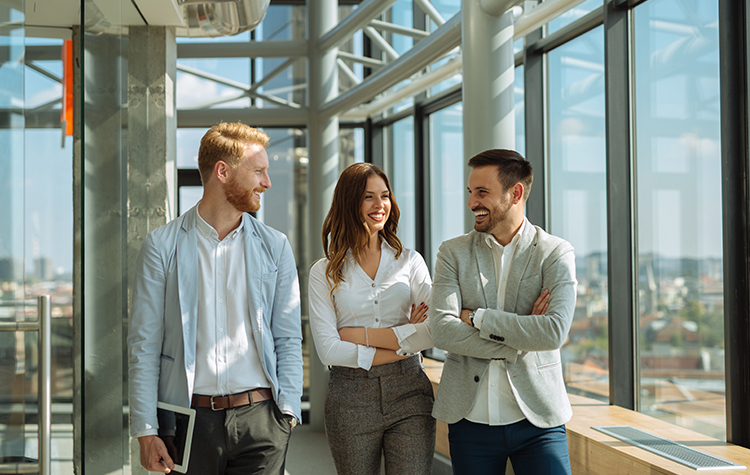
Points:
[(161, 12), (66, 13)]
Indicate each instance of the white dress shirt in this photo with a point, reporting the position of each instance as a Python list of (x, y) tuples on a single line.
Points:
[(384, 302), (226, 359), (496, 402)]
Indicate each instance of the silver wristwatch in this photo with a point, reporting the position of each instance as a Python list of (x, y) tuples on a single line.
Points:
[(471, 317)]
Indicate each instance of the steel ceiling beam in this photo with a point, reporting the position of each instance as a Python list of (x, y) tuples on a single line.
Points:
[(422, 55), (358, 19)]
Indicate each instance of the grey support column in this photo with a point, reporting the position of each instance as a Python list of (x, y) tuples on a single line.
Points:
[(323, 136), (99, 181), (151, 142), (488, 64)]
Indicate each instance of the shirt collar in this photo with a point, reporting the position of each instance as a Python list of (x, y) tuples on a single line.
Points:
[(210, 233), (491, 241)]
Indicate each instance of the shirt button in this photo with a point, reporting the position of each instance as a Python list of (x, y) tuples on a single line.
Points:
[(219, 272), (373, 284), (221, 300), (377, 319), (376, 302), (221, 330)]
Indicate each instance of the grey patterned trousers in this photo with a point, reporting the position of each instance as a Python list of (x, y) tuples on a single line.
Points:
[(384, 411)]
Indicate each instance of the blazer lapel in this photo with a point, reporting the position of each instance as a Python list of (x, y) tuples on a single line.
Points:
[(486, 266), (187, 279), (254, 271), (524, 250)]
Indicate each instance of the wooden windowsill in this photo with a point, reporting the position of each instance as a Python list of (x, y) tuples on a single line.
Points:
[(592, 452)]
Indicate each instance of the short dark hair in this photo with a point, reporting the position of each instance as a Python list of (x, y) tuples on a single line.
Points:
[(512, 168)]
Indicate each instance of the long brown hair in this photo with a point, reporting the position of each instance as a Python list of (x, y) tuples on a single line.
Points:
[(344, 221)]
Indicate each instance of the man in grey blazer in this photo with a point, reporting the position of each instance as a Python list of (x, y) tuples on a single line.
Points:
[(502, 302), (215, 321)]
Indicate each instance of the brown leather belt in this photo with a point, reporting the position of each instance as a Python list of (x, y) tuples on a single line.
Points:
[(218, 403)]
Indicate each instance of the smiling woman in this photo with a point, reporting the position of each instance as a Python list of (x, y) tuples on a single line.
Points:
[(367, 312)]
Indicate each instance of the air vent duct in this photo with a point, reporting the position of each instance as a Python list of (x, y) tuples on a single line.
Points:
[(221, 18)]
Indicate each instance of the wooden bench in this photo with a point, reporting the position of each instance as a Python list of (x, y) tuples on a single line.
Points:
[(595, 453)]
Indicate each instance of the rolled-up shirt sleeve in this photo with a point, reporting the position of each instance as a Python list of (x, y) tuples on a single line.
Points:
[(331, 349), (415, 337)]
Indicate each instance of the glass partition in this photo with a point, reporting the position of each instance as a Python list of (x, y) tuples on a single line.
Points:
[(36, 235)]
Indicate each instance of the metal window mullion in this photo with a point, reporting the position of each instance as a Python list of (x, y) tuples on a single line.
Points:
[(422, 184), (621, 210), (535, 124), (734, 83)]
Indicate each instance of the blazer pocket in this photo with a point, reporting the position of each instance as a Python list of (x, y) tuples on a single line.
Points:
[(167, 357), (547, 360)]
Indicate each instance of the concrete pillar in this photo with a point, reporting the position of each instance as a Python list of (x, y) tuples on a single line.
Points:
[(488, 64), (323, 136), (151, 142)]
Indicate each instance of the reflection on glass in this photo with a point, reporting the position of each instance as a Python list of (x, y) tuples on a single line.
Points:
[(680, 278), (577, 211), (520, 110), (579, 11), (447, 185), (401, 153), (15, 349)]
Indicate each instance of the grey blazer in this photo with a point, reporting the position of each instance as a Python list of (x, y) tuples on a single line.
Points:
[(465, 278)]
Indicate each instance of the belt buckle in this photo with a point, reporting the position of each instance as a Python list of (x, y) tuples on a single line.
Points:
[(213, 408)]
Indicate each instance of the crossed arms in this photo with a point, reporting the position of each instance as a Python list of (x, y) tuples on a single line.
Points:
[(542, 332)]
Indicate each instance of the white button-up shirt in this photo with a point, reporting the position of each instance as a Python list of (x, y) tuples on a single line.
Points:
[(384, 302), (226, 359), (496, 402)]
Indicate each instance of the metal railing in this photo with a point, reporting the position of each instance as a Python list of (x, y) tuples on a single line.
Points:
[(44, 326)]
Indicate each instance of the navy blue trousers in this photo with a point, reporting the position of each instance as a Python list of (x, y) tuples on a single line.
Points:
[(481, 449)]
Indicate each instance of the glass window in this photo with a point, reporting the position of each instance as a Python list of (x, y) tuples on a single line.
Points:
[(678, 162), (578, 202), (351, 146), (188, 143), (579, 11), (402, 13), (195, 90), (287, 85), (282, 22), (520, 110), (447, 183), (401, 152), (446, 9), (189, 197)]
